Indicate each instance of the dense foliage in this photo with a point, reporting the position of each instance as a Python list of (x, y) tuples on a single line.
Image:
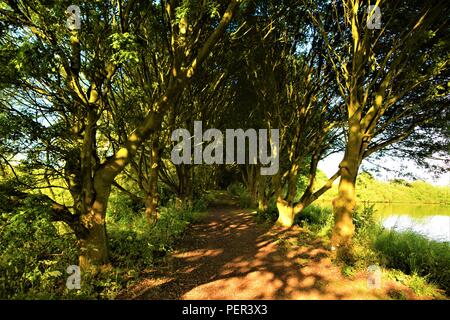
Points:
[(35, 251)]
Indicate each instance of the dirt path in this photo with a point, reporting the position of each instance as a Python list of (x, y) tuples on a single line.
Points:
[(230, 256)]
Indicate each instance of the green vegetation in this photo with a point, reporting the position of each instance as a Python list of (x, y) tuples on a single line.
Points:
[(421, 264), (238, 190), (35, 252), (32, 254), (369, 189), (415, 255), (316, 219)]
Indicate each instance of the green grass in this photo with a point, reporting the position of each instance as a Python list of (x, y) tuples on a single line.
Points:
[(415, 255), (317, 219), (420, 263), (420, 285), (35, 252), (369, 189), (135, 243)]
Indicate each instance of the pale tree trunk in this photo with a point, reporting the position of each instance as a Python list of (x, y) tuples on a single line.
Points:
[(292, 183), (288, 211), (285, 213), (285, 208), (344, 203), (262, 203)]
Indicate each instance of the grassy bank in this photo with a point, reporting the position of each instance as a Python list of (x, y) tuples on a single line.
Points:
[(421, 264), (414, 254), (369, 189)]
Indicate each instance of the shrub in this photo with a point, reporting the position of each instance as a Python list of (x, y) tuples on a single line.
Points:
[(130, 243), (364, 219), (239, 190), (121, 207), (201, 204), (136, 243), (317, 219), (270, 214), (236, 189), (33, 256), (35, 252), (245, 201)]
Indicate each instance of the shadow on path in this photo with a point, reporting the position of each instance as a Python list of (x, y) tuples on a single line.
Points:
[(230, 256)]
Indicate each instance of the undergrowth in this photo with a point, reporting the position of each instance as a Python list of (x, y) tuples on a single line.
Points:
[(35, 251)]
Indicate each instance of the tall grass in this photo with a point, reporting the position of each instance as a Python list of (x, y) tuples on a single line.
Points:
[(414, 254), (134, 242), (317, 219), (35, 251)]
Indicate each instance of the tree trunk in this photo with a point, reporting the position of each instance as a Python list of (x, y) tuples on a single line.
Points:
[(93, 248), (262, 204), (288, 211), (261, 194), (251, 176), (94, 245), (151, 208), (152, 197), (285, 213), (254, 182), (345, 202), (292, 183), (185, 191), (95, 194)]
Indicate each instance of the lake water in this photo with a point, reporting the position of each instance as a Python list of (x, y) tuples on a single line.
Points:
[(431, 221)]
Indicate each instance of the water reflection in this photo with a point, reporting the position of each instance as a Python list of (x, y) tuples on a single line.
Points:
[(433, 227), (430, 220)]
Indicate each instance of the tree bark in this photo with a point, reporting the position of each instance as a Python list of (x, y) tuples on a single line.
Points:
[(94, 247), (344, 203), (94, 244), (261, 194), (152, 197), (185, 191), (285, 213), (251, 177), (288, 211)]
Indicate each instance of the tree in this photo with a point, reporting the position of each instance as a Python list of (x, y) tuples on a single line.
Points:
[(291, 83), (387, 79), (75, 85)]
